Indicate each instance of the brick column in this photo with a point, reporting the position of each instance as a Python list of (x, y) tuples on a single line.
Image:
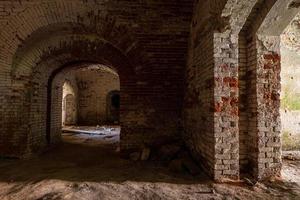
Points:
[(268, 106), (226, 106)]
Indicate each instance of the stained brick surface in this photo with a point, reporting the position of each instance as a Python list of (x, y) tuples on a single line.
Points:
[(205, 72), (39, 37)]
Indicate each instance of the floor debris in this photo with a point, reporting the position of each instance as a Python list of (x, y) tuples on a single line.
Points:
[(87, 167)]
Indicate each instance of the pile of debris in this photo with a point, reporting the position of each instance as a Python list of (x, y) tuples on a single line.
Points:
[(174, 155), (291, 155)]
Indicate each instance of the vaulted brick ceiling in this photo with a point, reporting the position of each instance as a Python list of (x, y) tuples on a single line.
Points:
[(146, 41), (152, 35), (33, 29)]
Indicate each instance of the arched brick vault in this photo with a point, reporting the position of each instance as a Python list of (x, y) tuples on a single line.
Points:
[(47, 41), (219, 72), (71, 47), (149, 46), (211, 99), (260, 74), (53, 94), (213, 120)]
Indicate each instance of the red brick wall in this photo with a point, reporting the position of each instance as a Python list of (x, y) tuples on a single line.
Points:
[(262, 89), (149, 54), (198, 108), (146, 43)]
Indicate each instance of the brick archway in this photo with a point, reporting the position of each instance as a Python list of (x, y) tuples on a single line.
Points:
[(53, 99), (60, 60), (49, 34), (260, 66), (31, 70), (215, 117)]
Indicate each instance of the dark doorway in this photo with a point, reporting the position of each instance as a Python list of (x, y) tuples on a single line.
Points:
[(113, 107)]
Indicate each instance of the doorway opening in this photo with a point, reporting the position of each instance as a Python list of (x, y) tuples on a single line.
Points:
[(290, 87), (290, 100), (82, 93), (69, 105), (113, 107), (267, 83)]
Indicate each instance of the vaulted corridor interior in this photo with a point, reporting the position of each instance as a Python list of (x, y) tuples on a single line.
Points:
[(149, 99)]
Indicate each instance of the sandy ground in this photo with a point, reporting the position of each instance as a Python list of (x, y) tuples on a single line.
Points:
[(88, 167)]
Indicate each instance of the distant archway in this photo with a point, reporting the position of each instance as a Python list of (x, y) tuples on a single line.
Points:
[(70, 110), (54, 97), (69, 103)]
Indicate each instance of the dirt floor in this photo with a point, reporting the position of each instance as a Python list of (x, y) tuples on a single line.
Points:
[(89, 167)]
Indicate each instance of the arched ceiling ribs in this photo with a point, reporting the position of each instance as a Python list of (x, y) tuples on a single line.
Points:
[(222, 15), (279, 16), (75, 38), (236, 12), (44, 22)]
